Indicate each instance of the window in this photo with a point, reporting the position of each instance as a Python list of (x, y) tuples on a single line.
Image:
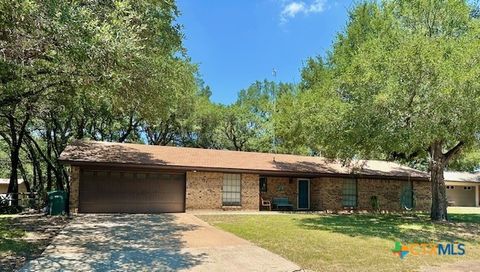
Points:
[(450, 187), (467, 188), (263, 184), (231, 190), (349, 195)]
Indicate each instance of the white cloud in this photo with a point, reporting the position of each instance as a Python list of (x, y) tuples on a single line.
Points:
[(317, 6), (291, 9)]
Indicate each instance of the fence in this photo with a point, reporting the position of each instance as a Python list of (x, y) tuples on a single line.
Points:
[(31, 200)]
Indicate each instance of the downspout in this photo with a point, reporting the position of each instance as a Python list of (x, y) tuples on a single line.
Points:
[(477, 195)]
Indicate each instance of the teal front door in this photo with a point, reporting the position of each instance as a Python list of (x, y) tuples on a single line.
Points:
[(303, 194)]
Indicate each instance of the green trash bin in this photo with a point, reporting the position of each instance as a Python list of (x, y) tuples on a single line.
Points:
[(57, 202)]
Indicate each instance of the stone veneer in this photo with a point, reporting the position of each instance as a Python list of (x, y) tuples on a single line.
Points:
[(204, 191), (74, 187)]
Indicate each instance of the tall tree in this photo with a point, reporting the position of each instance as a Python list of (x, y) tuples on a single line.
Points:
[(93, 69), (301, 121), (405, 81), (17, 117), (262, 101), (202, 127), (469, 160)]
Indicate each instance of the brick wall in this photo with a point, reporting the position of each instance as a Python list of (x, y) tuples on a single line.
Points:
[(281, 187), (250, 192), (326, 194), (204, 191), (423, 195), (74, 187), (388, 193)]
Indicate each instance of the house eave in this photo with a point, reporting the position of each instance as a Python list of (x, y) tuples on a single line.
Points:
[(279, 173)]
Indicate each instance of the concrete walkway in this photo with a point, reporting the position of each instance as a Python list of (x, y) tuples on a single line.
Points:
[(165, 242)]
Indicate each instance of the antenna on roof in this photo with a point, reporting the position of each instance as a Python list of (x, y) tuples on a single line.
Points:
[(274, 144)]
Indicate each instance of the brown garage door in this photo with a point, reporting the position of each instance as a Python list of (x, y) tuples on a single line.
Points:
[(117, 191)]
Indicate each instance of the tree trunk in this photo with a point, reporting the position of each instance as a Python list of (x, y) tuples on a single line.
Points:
[(49, 178), (439, 196), (24, 177), (26, 182), (47, 158), (13, 185), (38, 184), (438, 162), (48, 155), (59, 178), (16, 138)]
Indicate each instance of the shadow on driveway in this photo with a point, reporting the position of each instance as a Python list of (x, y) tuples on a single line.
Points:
[(121, 242)]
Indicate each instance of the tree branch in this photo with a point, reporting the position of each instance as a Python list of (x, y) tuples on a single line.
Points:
[(454, 151)]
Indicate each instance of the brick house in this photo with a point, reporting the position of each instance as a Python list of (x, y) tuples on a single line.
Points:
[(134, 178)]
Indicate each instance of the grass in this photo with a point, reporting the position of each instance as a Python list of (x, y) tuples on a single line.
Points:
[(24, 237), (8, 216), (358, 242), (11, 241)]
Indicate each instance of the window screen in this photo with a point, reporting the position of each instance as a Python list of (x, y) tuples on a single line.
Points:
[(231, 190), (349, 195), (263, 184)]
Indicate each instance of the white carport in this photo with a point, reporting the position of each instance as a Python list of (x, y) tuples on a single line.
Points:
[(463, 189)]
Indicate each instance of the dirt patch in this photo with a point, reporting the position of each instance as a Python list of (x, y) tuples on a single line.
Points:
[(24, 237)]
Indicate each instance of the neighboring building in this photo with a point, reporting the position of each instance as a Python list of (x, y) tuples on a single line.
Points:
[(463, 189), (134, 178), (4, 186)]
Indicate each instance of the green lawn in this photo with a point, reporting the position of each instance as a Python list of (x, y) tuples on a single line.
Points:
[(24, 237), (10, 239), (353, 242)]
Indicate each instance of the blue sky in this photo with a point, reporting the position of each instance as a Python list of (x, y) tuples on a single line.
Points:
[(238, 42)]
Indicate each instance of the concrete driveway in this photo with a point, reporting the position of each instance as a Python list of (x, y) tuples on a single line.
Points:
[(164, 242)]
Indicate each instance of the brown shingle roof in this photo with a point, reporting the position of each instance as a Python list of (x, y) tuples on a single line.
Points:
[(462, 176), (167, 157)]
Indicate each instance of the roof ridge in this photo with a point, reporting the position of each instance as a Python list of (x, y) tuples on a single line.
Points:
[(87, 151), (240, 152)]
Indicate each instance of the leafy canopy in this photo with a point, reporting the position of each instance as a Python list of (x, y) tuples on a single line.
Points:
[(405, 75)]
